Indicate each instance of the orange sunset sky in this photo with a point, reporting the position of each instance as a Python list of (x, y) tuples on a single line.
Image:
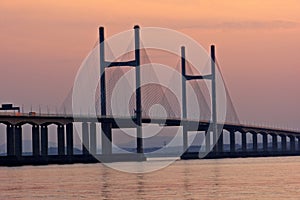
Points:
[(44, 42)]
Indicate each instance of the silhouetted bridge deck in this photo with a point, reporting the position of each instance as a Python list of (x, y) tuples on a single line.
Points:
[(66, 155)]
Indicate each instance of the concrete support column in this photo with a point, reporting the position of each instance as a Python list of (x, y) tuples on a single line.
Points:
[(265, 141), (214, 139), (61, 139), (292, 143), (274, 142), (35, 140), (232, 141), (244, 142), (207, 141), (220, 143), (93, 138), (18, 140), (69, 135), (44, 140), (283, 142), (185, 137), (85, 139), (139, 139), (106, 138), (254, 136), (10, 140), (215, 142)]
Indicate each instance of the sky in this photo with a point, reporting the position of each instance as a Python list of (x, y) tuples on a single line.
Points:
[(44, 42)]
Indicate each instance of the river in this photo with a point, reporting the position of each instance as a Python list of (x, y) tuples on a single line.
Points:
[(241, 178)]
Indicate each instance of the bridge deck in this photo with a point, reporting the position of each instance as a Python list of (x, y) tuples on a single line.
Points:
[(129, 122)]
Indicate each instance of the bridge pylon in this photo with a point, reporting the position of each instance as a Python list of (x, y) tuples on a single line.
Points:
[(106, 127), (212, 77)]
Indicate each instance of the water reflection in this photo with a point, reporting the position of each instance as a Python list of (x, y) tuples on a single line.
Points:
[(106, 186), (140, 186), (186, 181), (256, 178)]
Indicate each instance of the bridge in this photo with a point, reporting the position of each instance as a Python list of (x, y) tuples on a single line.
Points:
[(214, 132)]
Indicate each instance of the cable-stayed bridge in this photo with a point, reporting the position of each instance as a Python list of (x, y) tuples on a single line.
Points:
[(133, 92)]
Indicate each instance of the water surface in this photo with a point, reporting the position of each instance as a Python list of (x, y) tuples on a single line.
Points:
[(245, 178)]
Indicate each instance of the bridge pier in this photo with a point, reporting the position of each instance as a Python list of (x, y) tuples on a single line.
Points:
[(61, 139), (274, 142), (185, 137), (44, 140), (292, 143), (244, 141), (18, 140), (35, 140), (265, 141), (93, 138), (232, 141), (207, 141), (254, 139), (106, 138), (10, 140), (85, 139), (298, 143), (220, 143), (283, 142), (69, 135)]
